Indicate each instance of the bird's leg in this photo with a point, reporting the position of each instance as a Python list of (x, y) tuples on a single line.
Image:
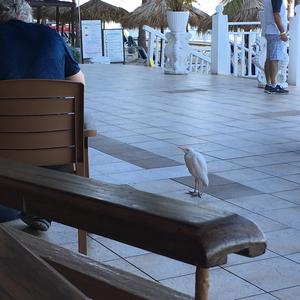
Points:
[(194, 192), (199, 188)]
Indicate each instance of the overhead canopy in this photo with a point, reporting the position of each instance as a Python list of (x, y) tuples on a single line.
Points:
[(55, 10), (153, 13), (100, 10)]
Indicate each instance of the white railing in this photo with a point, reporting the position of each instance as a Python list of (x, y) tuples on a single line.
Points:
[(243, 50), (199, 62), (156, 47)]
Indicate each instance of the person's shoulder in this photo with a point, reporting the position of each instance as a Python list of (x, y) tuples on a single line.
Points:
[(41, 27)]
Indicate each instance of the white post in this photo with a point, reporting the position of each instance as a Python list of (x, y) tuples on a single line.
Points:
[(294, 65), (220, 54)]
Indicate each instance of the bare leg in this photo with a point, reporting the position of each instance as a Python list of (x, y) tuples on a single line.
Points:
[(268, 71), (273, 71)]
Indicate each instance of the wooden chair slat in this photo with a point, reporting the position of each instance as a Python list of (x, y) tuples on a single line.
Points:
[(29, 123), (42, 157), (36, 140), (30, 107), (28, 88)]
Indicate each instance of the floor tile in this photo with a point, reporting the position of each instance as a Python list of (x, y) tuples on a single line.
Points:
[(261, 297), (270, 274), (271, 185), (261, 202), (288, 294), (283, 242), (288, 216), (160, 267), (292, 196), (294, 257), (235, 287)]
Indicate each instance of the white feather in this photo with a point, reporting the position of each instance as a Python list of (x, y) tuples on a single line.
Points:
[(196, 165)]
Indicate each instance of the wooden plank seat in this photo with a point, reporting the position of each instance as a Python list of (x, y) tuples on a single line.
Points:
[(95, 280), (193, 234)]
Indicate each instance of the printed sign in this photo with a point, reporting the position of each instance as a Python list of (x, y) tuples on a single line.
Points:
[(114, 44), (91, 38)]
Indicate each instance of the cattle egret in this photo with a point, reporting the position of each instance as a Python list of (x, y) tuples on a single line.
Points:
[(197, 166)]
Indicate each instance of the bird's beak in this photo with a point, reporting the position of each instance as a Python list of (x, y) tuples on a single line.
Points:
[(181, 148)]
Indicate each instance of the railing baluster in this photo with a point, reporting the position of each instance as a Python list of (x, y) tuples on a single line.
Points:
[(157, 51), (250, 56), (235, 56), (243, 56), (162, 54)]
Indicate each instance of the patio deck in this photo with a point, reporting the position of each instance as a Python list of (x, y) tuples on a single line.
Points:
[(251, 141)]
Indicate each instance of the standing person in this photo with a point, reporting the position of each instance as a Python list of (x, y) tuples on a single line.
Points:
[(30, 51), (275, 17)]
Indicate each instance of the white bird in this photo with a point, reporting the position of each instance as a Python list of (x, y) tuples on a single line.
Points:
[(197, 166)]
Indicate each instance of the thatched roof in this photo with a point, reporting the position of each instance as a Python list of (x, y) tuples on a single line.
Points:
[(100, 10), (50, 13), (238, 11), (153, 14), (246, 11), (91, 10)]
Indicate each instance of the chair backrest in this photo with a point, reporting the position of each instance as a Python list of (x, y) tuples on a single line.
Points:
[(41, 121)]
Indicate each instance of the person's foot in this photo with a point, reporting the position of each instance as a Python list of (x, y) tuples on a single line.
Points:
[(269, 89), (36, 223), (280, 90)]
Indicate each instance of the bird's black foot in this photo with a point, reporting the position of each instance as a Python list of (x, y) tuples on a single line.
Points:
[(199, 195), (193, 193)]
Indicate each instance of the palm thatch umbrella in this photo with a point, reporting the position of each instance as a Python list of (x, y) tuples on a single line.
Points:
[(238, 11), (91, 10), (100, 10), (243, 10), (153, 13)]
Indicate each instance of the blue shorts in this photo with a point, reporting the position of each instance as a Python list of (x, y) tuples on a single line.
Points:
[(276, 49)]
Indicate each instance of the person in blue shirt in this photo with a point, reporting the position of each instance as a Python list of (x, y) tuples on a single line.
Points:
[(29, 51), (275, 19)]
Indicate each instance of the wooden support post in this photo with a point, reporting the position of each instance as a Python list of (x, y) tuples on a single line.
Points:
[(82, 241), (202, 283)]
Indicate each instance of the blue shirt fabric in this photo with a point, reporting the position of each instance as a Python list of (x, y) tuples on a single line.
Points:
[(276, 4), (30, 50)]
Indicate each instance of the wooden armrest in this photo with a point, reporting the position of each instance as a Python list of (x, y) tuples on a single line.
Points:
[(197, 235), (89, 132)]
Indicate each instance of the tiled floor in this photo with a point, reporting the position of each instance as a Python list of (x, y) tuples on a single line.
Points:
[(251, 142)]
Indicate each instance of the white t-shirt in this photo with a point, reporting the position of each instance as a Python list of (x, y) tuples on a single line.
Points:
[(270, 25)]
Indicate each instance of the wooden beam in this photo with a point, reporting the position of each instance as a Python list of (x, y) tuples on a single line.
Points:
[(96, 280), (25, 276)]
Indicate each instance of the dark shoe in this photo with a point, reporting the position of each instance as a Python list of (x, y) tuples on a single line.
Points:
[(269, 89), (280, 90), (36, 223)]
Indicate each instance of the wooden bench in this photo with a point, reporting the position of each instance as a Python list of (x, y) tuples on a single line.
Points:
[(193, 234), (83, 278)]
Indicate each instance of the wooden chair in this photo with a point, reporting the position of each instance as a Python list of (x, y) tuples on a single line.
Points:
[(41, 122)]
